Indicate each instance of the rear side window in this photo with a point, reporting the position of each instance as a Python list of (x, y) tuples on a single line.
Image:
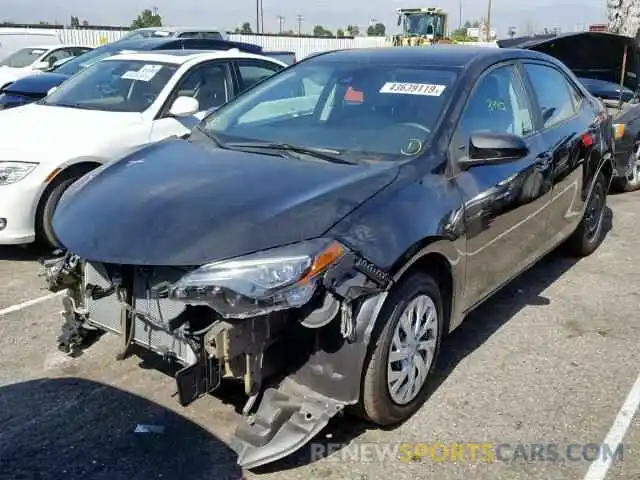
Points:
[(254, 71), (556, 96), (206, 35)]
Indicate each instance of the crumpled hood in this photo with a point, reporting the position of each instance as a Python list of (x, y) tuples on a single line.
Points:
[(180, 202), (39, 132), (596, 55)]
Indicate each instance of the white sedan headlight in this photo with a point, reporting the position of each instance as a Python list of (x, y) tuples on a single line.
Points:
[(260, 283), (11, 172)]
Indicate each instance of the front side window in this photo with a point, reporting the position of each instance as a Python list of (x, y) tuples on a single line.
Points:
[(23, 57), (114, 86), (57, 55), (376, 112), (498, 103), (553, 92), (208, 84)]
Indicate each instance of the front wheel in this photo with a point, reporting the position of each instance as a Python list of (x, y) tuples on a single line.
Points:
[(590, 231), (45, 235), (404, 352)]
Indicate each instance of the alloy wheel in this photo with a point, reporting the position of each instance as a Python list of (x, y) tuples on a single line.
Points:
[(412, 349)]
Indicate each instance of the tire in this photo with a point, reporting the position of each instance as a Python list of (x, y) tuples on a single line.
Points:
[(631, 182), (45, 235), (590, 232), (377, 403)]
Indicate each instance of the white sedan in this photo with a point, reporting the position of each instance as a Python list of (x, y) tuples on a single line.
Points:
[(26, 61), (101, 113)]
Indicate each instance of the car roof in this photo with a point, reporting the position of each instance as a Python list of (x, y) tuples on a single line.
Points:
[(178, 29), (446, 56), (53, 47), (179, 57)]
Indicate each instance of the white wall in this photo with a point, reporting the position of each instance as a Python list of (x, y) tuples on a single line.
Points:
[(301, 46)]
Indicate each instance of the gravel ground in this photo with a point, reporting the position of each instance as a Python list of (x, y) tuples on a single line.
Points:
[(548, 361)]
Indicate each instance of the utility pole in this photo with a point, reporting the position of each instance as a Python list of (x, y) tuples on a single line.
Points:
[(299, 18), (261, 18), (460, 16), (257, 16), (281, 22), (489, 21)]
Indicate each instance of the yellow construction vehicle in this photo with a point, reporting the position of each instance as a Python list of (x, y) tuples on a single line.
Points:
[(421, 26)]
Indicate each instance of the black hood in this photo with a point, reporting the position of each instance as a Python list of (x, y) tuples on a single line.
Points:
[(594, 55), (182, 202)]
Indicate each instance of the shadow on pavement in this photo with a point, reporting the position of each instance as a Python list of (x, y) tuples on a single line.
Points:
[(78, 429), (27, 253), (480, 325)]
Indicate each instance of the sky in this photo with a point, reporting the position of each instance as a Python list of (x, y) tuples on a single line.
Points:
[(332, 14)]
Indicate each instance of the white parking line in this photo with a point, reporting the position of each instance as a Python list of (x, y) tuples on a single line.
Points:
[(28, 303), (598, 469)]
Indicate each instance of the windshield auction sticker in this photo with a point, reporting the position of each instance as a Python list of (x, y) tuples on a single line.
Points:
[(413, 88), (145, 74)]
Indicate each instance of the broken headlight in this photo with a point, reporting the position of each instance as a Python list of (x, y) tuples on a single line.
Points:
[(260, 283)]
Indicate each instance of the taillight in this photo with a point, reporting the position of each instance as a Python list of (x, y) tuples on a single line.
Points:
[(586, 140)]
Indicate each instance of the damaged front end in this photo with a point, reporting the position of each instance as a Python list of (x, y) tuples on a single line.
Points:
[(291, 323)]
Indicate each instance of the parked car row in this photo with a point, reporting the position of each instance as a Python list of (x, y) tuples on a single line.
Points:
[(115, 104), (320, 230), (26, 61), (608, 65)]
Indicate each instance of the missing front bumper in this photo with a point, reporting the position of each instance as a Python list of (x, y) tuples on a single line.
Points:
[(290, 411)]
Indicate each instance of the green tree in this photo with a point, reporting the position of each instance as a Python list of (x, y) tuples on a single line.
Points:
[(377, 30), (147, 18), (244, 29), (340, 33), (74, 22), (320, 31), (353, 30)]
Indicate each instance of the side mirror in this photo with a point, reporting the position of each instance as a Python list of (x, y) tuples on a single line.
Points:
[(40, 66), (547, 113), (184, 107), (487, 148), (210, 111), (51, 90)]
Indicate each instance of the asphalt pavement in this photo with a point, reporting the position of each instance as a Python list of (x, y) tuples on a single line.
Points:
[(551, 364)]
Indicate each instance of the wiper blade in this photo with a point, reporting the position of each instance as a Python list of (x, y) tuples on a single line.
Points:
[(327, 154)]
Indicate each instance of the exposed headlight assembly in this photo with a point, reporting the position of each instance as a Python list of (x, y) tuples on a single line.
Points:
[(260, 283), (12, 172)]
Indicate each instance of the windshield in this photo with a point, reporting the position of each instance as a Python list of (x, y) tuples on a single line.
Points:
[(82, 61), (114, 86), (365, 112), (138, 34), (424, 24), (23, 57)]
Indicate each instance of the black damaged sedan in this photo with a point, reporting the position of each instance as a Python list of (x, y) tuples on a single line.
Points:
[(317, 237)]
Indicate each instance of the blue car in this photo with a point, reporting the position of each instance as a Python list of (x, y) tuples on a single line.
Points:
[(35, 87)]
